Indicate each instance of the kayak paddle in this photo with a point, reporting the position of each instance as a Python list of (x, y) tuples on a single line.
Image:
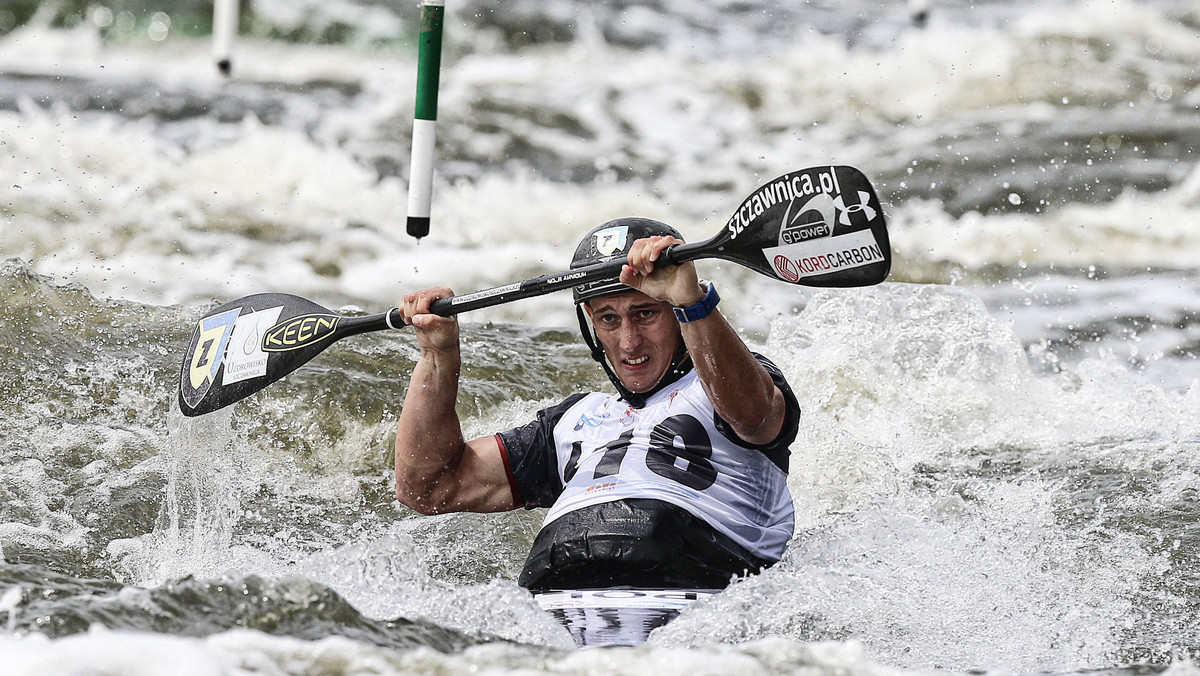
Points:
[(820, 227)]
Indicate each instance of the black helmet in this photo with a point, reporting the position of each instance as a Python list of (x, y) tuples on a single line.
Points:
[(608, 241)]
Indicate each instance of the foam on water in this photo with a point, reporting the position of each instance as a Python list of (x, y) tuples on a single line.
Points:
[(915, 525), (224, 516), (917, 530), (932, 360), (939, 585), (118, 206), (1136, 230), (240, 652)]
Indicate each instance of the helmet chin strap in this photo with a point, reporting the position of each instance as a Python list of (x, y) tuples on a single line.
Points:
[(681, 364)]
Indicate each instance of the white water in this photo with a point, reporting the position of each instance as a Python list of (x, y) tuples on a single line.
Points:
[(953, 510)]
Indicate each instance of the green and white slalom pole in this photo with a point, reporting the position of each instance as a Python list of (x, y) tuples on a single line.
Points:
[(225, 25), (429, 62)]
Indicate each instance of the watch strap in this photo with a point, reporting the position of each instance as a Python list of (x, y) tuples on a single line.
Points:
[(704, 308)]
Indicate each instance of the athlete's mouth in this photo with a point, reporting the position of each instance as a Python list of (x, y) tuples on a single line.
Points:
[(635, 362)]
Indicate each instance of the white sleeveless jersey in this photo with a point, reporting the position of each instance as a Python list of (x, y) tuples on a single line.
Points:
[(671, 450)]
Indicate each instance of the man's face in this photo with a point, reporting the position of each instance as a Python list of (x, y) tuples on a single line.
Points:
[(640, 336)]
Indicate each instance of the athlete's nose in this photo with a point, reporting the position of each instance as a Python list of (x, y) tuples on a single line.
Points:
[(630, 337)]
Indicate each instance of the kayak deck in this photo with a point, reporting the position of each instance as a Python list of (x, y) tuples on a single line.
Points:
[(616, 617)]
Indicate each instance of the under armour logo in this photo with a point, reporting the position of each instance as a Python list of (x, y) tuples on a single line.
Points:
[(861, 208)]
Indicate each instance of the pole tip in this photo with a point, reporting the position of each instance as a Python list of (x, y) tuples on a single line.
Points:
[(225, 66), (418, 226)]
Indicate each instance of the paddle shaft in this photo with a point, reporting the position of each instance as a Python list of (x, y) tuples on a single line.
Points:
[(534, 286)]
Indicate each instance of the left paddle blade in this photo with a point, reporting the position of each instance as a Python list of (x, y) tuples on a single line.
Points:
[(245, 345)]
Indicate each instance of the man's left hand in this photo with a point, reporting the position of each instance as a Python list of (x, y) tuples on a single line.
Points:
[(676, 284)]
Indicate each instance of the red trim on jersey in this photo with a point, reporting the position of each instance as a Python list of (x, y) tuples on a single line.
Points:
[(512, 480)]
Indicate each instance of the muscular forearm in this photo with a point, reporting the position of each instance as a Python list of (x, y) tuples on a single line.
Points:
[(436, 469), (740, 389), (429, 440)]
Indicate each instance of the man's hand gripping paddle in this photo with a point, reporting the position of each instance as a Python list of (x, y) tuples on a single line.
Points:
[(820, 227)]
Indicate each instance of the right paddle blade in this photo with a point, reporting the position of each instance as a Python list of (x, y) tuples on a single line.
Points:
[(822, 226)]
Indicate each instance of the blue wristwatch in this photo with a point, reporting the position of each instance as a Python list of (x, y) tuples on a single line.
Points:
[(700, 310)]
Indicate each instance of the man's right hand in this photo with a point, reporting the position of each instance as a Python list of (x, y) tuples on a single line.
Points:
[(434, 332)]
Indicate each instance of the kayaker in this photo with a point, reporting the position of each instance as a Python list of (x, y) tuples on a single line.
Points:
[(678, 480)]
